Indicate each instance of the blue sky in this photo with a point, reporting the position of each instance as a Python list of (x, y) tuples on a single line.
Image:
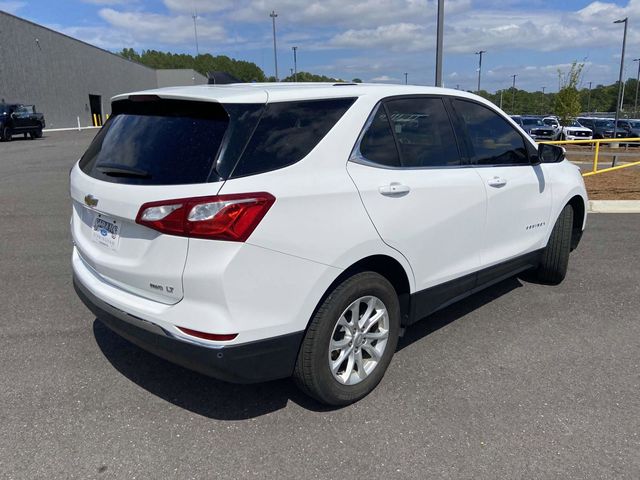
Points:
[(375, 40)]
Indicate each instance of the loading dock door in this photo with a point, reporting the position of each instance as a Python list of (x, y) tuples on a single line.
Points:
[(95, 103)]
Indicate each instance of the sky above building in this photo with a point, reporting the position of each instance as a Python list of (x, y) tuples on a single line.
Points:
[(375, 40)]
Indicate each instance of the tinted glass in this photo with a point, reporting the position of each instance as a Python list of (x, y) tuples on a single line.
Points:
[(423, 132), (377, 144), (604, 123), (532, 122), (493, 140), (287, 132), (166, 142)]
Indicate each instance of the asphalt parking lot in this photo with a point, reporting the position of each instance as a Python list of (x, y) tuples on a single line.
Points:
[(519, 381)]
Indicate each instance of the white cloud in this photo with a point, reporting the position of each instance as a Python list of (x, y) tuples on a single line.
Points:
[(103, 37), (11, 6), (384, 78), (343, 14), (494, 30), (109, 2), (164, 29), (399, 36), (200, 6)]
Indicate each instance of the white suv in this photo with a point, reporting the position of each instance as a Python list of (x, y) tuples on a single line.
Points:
[(254, 232)]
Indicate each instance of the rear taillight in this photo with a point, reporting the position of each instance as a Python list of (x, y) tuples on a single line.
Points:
[(223, 217)]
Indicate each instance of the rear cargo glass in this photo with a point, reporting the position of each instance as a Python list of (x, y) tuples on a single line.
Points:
[(157, 142), (173, 142), (287, 132)]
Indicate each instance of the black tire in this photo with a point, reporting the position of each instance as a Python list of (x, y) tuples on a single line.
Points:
[(312, 373), (7, 134), (32, 135), (555, 257), (38, 133)]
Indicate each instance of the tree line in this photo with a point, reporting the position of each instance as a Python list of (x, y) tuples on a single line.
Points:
[(241, 69)]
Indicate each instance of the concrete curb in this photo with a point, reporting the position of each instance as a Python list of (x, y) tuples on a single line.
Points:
[(614, 206)]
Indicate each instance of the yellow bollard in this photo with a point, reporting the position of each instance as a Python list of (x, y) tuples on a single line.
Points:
[(595, 156), (95, 120)]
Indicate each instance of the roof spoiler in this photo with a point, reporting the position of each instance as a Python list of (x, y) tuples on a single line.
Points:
[(221, 78)]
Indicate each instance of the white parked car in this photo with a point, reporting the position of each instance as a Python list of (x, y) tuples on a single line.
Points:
[(575, 131), (259, 231)]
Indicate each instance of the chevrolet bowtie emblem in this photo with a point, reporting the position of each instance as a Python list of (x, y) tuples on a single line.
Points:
[(91, 201)]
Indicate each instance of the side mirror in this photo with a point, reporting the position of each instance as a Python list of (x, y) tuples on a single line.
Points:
[(550, 153)]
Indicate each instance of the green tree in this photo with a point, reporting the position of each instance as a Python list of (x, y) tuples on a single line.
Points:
[(243, 70), (311, 77), (567, 104), (356, 80)]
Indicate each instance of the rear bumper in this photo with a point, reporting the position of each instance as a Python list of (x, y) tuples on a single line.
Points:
[(251, 362)]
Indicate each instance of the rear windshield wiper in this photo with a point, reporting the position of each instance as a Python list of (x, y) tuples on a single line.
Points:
[(118, 170)]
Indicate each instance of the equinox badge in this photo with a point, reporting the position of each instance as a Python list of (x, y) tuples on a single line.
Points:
[(91, 201)]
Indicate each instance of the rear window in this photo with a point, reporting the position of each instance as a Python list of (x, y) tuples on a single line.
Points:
[(287, 132), (171, 142), (167, 142)]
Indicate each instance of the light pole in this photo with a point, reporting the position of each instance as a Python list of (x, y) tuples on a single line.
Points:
[(480, 68), (195, 31), (625, 20), (273, 16), (635, 104), (513, 98), (542, 109), (439, 42), (589, 99), (405, 77), (295, 63), (501, 92)]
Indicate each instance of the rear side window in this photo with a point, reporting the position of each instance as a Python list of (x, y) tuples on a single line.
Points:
[(493, 141), (287, 132), (157, 142), (423, 132), (377, 144)]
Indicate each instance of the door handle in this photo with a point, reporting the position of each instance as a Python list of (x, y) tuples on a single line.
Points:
[(497, 182), (394, 190)]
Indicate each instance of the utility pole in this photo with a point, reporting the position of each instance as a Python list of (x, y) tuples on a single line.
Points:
[(195, 31), (542, 108), (439, 43), (501, 92), (513, 98), (405, 77), (635, 104), (273, 16), (480, 68), (589, 97), (624, 44), (295, 63)]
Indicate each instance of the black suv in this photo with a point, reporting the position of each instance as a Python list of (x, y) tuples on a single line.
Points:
[(601, 127), (17, 119), (631, 127)]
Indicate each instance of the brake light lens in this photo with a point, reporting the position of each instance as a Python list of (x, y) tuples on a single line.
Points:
[(222, 217)]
